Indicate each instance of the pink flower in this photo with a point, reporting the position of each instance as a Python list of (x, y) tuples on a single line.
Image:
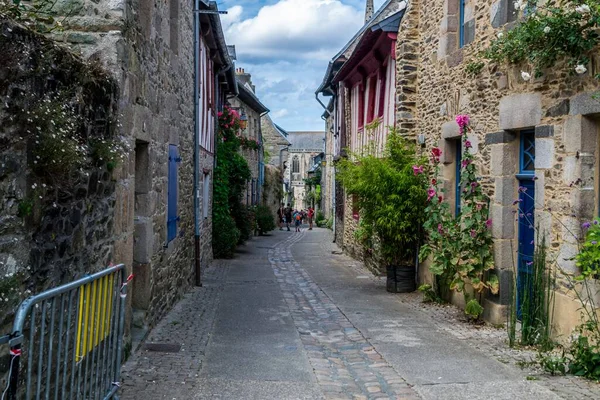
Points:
[(465, 162), (440, 229), (440, 199), (488, 223), (436, 152), (463, 122), (220, 113), (417, 169), (430, 194), (468, 144), (473, 233)]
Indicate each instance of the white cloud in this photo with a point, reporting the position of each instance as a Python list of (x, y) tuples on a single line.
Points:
[(293, 29), (280, 113), (233, 15)]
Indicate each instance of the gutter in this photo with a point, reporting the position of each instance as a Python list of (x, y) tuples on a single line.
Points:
[(196, 194)]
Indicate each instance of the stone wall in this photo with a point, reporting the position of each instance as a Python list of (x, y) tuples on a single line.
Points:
[(272, 190), (557, 106), (56, 216), (148, 47)]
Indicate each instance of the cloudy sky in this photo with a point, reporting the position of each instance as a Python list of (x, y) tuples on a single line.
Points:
[(286, 45)]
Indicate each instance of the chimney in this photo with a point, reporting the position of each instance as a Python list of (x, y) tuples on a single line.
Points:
[(244, 77), (369, 10)]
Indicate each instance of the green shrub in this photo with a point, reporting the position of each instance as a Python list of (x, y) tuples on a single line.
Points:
[(320, 219), (264, 219), (391, 198), (329, 223), (244, 221), (225, 235)]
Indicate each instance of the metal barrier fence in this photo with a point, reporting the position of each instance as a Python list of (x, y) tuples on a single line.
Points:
[(72, 339)]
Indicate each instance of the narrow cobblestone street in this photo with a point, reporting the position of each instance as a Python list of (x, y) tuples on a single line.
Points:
[(291, 318)]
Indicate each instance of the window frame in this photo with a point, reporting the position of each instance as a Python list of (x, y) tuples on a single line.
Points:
[(461, 23), (457, 177)]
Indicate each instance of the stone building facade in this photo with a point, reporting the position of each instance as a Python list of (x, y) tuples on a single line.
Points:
[(148, 49), (305, 146), (251, 110), (539, 134)]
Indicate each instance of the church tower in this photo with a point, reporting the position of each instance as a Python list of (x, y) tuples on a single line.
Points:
[(369, 10)]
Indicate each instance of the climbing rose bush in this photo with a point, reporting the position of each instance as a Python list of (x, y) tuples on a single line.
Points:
[(460, 247)]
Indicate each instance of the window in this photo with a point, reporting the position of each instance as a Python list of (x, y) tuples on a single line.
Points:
[(205, 195), (361, 105), (527, 153), (372, 95), (457, 177), (382, 84), (296, 165), (172, 217)]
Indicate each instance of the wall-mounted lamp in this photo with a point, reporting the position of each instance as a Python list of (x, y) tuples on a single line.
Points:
[(243, 120), (421, 139)]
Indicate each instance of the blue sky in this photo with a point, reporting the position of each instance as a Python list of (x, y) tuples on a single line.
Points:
[(286, 45)]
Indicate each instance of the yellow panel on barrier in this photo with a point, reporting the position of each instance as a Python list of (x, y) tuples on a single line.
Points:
[(94, 316)]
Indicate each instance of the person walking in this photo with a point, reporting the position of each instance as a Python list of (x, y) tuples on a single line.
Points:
[(297, 220), (281, 216), (288, 216), (311, 214)]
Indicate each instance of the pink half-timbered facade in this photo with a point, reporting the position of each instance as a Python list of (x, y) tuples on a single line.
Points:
[(361, 81)]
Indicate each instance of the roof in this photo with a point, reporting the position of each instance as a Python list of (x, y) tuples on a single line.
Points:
[(217, 29), (249, 98), (306, 140), (367, 42), (281, 131), (340, 58)]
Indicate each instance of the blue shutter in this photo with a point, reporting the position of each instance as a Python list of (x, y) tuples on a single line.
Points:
[(457, 177), (172, 217)]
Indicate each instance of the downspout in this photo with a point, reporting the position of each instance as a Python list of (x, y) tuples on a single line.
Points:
[(197, 267), (261, 174), (320, 102)]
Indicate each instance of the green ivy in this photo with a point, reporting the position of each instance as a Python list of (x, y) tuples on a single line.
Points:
[(232, 221)]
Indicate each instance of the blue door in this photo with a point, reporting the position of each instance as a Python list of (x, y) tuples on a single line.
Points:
[(526, 213), (172, 217)]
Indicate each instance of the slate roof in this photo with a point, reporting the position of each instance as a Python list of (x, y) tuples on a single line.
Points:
[(312, 141)]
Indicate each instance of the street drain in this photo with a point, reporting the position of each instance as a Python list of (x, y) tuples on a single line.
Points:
[(162, 347)]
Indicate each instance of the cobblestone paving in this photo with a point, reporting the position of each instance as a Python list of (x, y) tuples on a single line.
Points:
[(150, 375), (490, 340), (345, 363)]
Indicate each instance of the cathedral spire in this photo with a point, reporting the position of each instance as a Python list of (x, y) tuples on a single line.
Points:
[(369, 10)]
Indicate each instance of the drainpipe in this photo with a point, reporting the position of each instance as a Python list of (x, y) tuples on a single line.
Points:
[(320, 102), (197, 267)]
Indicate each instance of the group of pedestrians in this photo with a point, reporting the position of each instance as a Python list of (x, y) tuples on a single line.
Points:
[(287, 216)]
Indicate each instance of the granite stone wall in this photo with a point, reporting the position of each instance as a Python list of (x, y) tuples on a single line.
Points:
[(57, 198), (558, 106), (148, 48)]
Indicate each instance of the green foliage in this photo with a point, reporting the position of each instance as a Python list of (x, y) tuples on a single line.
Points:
[(329, 223), (391, 198), (25, 207), (588, 259), (107, 151), (538, 301), (264, 220), (474, 68), (429, 294), (552, 31), (320, 220), (233, 222), (473, 309), (225, 235), (460, 247), (39, 15), (249, 143)]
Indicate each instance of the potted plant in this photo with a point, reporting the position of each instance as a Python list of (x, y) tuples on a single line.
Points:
[(391, 198)]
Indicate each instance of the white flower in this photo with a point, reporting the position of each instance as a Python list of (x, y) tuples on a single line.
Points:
[(583, 9), (519, 5), (580, 69), (525, 75), (500, 35), (547, 29)]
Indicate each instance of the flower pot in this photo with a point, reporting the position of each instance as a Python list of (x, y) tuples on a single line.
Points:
[(401, 278)]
